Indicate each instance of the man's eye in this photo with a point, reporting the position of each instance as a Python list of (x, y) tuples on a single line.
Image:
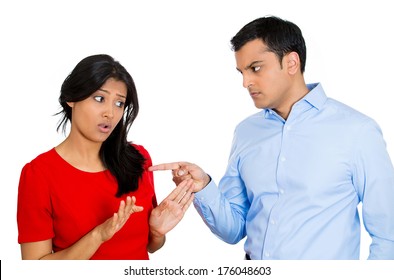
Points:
[(99, 98), (256, 68)]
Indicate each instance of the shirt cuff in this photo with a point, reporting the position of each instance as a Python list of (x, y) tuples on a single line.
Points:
[(207, 194)]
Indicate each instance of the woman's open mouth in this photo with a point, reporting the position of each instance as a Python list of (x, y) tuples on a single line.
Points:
[(104, 127)]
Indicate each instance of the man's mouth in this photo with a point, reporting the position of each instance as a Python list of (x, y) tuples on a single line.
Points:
[(253, 93)]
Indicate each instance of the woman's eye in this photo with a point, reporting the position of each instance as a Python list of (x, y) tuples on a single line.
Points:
[(120, 104), (99, 98)]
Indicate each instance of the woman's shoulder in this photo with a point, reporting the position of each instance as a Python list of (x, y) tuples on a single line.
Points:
[(41, 167), (45, 159), (140, 148)]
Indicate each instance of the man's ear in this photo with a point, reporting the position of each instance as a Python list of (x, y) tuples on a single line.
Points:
[(293, 63)]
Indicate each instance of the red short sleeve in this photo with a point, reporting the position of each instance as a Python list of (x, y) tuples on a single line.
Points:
[(34, 211)]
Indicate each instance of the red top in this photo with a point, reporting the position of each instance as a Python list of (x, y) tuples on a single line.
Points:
[(60, 202)]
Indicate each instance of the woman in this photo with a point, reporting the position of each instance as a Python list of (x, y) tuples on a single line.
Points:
[(91, 197)]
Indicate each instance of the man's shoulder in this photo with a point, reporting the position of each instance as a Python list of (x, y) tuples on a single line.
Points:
[(255, 117), (346, 112)]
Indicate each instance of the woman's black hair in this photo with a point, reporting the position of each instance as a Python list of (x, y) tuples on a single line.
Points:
[(123, 160)]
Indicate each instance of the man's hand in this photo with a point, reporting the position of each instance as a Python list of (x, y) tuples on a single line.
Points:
[(183, 171)]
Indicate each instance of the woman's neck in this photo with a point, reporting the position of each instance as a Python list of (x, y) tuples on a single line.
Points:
[(82, 155)]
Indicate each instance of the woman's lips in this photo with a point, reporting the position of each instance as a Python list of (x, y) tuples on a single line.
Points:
[(104, 127)]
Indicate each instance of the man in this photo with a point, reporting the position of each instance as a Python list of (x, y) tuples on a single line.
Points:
[(298, 168)]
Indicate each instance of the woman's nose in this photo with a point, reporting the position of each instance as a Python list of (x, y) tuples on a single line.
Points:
[(109, 111)]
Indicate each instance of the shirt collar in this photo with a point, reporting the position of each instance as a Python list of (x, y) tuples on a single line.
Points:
[(316, 96)]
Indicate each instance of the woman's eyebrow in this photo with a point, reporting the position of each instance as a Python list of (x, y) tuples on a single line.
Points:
[(118, 94)]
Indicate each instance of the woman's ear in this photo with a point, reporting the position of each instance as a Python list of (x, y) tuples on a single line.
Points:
[(70, 104)]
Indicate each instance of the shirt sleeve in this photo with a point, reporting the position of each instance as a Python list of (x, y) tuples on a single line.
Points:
[(224, 208), (34, 211), (374, 182)]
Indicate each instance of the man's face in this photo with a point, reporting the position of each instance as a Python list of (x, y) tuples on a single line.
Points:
[(263, 74)]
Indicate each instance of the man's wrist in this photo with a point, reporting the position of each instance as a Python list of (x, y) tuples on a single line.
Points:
[(207, 180)]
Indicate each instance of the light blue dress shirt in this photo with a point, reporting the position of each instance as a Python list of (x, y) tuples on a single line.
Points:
[(292, 186)]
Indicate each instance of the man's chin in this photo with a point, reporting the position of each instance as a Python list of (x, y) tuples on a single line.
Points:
[(260, 106)]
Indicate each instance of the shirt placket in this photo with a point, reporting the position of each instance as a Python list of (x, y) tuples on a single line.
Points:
[(281, 180)]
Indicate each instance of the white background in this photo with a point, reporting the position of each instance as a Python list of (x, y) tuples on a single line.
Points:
[(191, 96)]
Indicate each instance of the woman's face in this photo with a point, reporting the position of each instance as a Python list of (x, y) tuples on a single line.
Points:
[(94, 118)]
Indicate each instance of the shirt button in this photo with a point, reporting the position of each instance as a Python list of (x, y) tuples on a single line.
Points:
[(267, 254), (281, 191), (272, 222), (283, 158), (288, 127)]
